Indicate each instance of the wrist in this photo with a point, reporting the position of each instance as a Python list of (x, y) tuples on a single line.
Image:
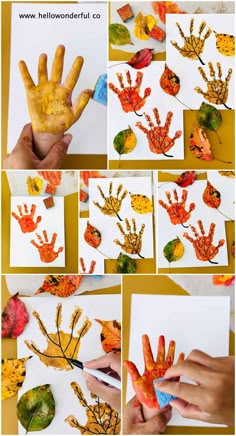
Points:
[(43, 142)]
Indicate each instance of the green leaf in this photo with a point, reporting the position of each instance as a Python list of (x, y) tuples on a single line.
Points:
[(125, 141), (125, 265), (119, 34), (209, 117), (173, 250), (36, 408)]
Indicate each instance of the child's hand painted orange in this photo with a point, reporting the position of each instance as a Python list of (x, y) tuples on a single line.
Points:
[(143, 385)]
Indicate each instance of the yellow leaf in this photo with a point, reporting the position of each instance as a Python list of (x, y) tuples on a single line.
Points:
[(34, 185), (110, 335), (225, 44), (13, 375), (141, 203)]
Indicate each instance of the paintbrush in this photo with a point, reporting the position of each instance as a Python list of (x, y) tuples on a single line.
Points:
[(100, 374)]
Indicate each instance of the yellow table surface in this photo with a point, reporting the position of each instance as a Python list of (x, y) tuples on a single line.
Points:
[(71, 236), (230, 237), (164, 286), (71, 161), (9, 350)]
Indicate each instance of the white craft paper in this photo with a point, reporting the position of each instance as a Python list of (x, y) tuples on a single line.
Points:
[(120, 120), (226, 187), (187, 69), (203, 285), (18, 186), (81, 37), (108, 225), (89, 253), (22, 252), (171, 231), (105, 307), (193, 322), (27, 285)]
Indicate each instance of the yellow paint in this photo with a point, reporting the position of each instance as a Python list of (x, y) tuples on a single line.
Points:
[(34, 185)]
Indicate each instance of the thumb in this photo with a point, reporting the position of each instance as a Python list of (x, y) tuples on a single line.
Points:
[(54, 158), (99, 388), (157, 423), (26, 137)]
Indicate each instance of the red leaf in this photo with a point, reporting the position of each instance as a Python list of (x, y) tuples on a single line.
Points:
[(92, 236), (141, 59), (185, 179), (14, 318)]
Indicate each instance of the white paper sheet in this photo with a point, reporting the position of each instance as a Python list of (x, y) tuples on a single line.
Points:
[(108, 225), (89, 253), (81, 36), (105, 307), (202, 212), (27, 285), (193, 322), (187, 69), (226, 187), (119, 120), (18, 186), (22, 252)]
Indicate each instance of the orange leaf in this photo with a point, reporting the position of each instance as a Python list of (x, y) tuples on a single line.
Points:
[(110, 336), (211, 196)]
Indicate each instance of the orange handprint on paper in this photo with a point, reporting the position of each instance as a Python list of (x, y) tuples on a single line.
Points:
[(203, 246), (26, 218), (129, 96), (143, 385), (176, 210), (45, 248), (158, 137)]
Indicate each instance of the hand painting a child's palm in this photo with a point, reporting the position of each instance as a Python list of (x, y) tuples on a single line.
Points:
[(50, 101), (143, 385)]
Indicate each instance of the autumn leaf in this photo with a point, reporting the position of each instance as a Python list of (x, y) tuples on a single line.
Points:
[(230, 174), (125, 141), (119, 34), (225, 44), (173, 250), (199, 144), (223, 279), (110, 336), (212, 198), (14, 318), (13, 375), (60, 285), (83, 196), (141, 203), (125, 265), (209, 118), (170, 83), (185, 179), (36, 408), (143, 25), (92, 236), (34, 185), (141, 59)]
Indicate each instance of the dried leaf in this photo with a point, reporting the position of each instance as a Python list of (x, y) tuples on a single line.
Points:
[(185, 179), (209, 117), (173, 250), (211, 196), (60, 285), (52, 177), (163, 8), (13, 375), (141, 59), (125, 141), (225, 44), (223, 280), (119, 34), (34, 185), (125, 265), (141, 203), (143, 25), (230, 174), (83, 196), (199, 144), (110, 336), (169, 81), (92, 236), (36, 408), (14, 318)]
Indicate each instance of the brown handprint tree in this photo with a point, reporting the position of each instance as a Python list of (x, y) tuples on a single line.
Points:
[(217, 89), (177, 209), (45, 248), (129, 96), (132, 240), (61, 346), (203, 245), (158, 137), (193, 45), (154, 369), (26, 218), (112, 204), (101, 418)]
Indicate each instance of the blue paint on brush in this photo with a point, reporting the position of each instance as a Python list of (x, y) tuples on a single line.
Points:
[(162, 397), (100, 92)]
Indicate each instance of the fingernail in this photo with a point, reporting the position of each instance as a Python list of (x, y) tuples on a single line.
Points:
[(67, 139)]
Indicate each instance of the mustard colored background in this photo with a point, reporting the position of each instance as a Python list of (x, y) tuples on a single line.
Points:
[(9, 350), (72, 161), (164, 286), (71, 235), (230, 236)]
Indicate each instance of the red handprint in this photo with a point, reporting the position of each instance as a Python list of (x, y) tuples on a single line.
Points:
[(46, 249), (158, 136), (143, 385), (26, 219), (176, 210), (204, 249), (129, 96)]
